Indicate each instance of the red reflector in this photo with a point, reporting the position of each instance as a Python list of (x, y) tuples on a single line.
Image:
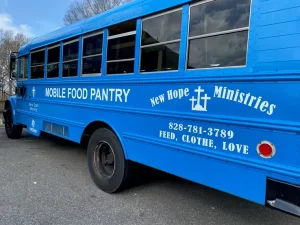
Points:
[(266, 149)]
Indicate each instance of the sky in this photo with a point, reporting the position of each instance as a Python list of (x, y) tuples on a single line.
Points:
[(32, 17)]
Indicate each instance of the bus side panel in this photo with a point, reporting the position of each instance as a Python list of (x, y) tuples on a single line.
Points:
[(277, 33), (242, 175), (237, 180), (204, 132), (58, 126), (224, 118)]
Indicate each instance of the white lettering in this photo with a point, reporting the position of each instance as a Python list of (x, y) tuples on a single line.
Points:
[(157, 100), (47, 94), (85, 94), (239, 148), (153, 102), (244, 98), (55, 93), (79, 93), (100, 94), (33, 130), (171, 94), (167, 135), (194, 134), (93, 93), (126, 94), (186, 92), (69, 92), (111, 93), (118, 95), (33, 107), (178, 94), (198, 141), (64, 93), (218, 91), (105, 94), (73, 93)]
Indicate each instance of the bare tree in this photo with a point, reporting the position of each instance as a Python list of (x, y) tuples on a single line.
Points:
[(8, 43), (82, 9)]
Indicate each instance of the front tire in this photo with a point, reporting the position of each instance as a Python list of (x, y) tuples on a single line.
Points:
[(106, 161), (12, 131)]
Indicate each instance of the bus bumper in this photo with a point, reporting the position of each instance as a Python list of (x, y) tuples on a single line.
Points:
[(283, 196)]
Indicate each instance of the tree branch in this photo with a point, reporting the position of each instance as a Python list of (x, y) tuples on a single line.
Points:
[(83, 9)]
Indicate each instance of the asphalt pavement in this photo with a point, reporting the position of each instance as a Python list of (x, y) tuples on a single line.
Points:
[(45, 180)]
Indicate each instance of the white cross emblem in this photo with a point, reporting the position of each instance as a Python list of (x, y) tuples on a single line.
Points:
[(33, 92), (198, 106)]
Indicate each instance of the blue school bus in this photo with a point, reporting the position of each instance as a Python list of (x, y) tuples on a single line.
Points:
[(204, 90)]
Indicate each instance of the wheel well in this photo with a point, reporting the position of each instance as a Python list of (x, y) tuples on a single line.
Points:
[(91, 128)]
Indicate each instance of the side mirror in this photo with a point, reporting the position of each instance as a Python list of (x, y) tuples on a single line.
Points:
[(13, 66)]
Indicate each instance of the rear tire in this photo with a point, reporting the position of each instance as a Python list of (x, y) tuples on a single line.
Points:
[(108, 167), (12, 131)]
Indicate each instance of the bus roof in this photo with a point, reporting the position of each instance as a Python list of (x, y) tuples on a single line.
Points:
[(132, 10)]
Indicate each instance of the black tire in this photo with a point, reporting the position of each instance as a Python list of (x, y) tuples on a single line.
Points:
[(108, 167), (12, 131)]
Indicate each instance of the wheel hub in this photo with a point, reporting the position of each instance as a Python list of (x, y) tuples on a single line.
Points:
[(104, 160)]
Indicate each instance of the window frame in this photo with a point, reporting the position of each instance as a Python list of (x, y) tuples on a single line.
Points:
[(90, 56), (18, 63), (32, 52), (213, 35), (161, 43), (51, 47), (76, 39), (126, 34)]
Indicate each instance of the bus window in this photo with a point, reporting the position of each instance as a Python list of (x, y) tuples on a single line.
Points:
[(23, 67), (121, 48), (161, 42), (218, 34), (53, 62), (92, 54), (70, 58), (25, 60), (37, 64)]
